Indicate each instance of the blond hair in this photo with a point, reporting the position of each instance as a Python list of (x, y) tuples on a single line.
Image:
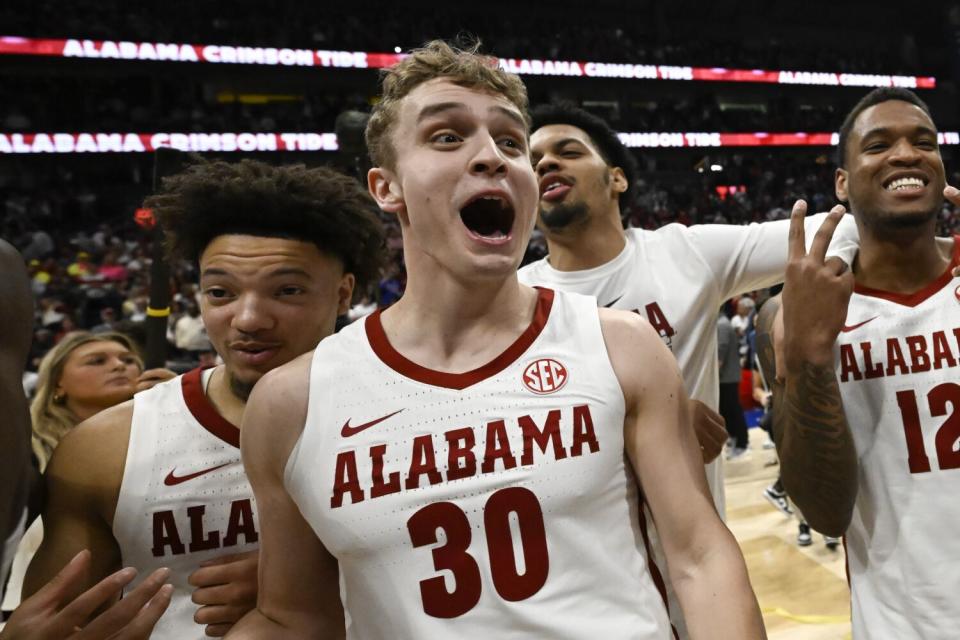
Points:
[(51, 417), (436, 59)]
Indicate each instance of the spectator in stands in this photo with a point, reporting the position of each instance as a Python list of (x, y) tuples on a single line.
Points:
[(84, 374)]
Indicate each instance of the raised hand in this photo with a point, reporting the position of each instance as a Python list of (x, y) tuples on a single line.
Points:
[(816, 294), (51, 614), (226, 589)]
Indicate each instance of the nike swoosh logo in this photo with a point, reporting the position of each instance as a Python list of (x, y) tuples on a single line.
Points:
[(348, 431), (846, 328), (612, 302), (172, 480)]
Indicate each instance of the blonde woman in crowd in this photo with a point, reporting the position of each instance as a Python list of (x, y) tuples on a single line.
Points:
[(82, 375)]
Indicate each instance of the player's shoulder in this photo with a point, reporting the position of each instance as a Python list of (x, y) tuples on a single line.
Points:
[(282, 394), (621, 328), (93, 453)]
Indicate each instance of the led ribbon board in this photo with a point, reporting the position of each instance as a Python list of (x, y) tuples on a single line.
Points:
[(24, 143), (282, 56)]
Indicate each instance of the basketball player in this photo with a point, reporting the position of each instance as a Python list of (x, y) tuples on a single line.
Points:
[(158, 480), (867, 421), (458, 463), (17, 475), (676, 277)]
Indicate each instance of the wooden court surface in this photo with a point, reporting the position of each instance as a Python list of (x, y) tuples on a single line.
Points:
[(802, 590)]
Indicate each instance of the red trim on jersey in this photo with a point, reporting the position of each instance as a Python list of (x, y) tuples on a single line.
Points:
[(654, 569), (198, 404), (396, 361), (913, 299)]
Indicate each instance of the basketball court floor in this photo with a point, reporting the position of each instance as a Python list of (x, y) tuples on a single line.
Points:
[(802, 590)]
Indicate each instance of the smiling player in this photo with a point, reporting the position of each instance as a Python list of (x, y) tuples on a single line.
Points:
[(867, 421)]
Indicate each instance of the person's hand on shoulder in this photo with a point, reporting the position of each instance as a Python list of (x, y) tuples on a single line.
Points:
[(152, 377), (50, 614), (710, 428)]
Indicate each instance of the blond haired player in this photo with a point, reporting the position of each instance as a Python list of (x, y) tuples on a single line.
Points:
[(467, 464), (867, 420)]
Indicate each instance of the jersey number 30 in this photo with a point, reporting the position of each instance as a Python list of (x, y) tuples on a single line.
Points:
[(939, 397), (455, 558)]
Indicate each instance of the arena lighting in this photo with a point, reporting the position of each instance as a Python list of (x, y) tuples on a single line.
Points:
[(22, 143), (174, 52)]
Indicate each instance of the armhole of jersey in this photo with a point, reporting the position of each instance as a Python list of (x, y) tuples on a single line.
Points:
[(142, 429), (588, 313), (315, 400)]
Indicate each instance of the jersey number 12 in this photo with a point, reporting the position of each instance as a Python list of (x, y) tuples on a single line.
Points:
[(942, 395)]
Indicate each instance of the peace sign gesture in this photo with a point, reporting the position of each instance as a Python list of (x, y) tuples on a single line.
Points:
[(816, 293)]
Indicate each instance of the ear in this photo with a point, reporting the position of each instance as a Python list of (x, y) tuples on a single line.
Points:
[(345, 293), (385, 189), (619, 180), (840, 185)]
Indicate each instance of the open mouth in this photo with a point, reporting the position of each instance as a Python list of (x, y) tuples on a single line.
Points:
[(906, 184), (488, 216)]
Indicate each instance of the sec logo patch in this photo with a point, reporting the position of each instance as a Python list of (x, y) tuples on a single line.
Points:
[(544, 376)]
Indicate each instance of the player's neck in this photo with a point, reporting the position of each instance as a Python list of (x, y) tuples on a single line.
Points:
[(451, 326), (223, 399), (589, 246), (904, 262)]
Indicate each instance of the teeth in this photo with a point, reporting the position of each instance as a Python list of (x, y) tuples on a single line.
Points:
[(905, 183), (552, 186)]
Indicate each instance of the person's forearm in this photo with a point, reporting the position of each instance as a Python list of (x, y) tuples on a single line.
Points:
[(818, 458), (716, 597)]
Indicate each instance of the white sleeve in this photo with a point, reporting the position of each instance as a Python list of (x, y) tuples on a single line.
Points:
[(754, 256)]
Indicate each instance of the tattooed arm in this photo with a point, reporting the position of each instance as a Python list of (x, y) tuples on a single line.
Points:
[(817, 453)]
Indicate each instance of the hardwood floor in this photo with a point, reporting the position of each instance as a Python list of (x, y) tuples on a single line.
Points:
[(802, 590)]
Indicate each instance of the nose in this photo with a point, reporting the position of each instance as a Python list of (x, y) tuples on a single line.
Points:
[(546, 164), (119, 364), (904, 152), (488, 158), (251, 314)]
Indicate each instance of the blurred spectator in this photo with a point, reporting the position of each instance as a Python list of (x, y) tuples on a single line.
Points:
[(82, 375), (189, 334)]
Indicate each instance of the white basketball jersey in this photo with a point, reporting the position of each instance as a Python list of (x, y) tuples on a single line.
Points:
[(897, 360), (185, 497), (496, 503)]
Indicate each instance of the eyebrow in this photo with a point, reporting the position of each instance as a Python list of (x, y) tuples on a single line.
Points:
[(559, 144), (885, 130), (434, 109), (282, 271)]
